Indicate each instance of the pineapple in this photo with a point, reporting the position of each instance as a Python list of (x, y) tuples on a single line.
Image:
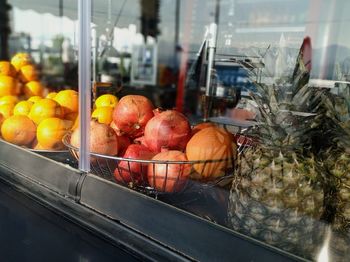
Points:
[(277, 195), (336, 160)]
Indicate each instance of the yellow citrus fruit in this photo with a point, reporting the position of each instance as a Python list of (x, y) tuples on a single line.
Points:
[(69, 100), (45, 108), (7, 69), (28, 73), (22, 108), (19, 130), (51, 131), (7, 110), (8, 86), (34, 99), (33, 88), (104, 115), (51, 95), (76, 123), (8, 100), (106, 100), (21, 59)]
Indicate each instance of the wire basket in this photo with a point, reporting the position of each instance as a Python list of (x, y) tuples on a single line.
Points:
[(156, 176)]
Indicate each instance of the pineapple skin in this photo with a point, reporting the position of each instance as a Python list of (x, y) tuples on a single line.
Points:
[(338, 166), (336, 161), (341, 171), (278, 198)]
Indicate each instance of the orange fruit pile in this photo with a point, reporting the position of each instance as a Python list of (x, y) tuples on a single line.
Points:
[(33, 117), (27, 117)]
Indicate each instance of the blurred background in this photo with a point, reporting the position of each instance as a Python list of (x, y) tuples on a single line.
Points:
[(149, 46)]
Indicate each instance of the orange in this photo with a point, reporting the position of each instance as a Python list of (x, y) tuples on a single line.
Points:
[(8, 100), (51, 131), (22, 108), (45, 108), (7, 110), (19, 130), (71, 116), (8, 86), (106, 100), (34, 99), (104, 115), (21, 59), (28, 73), (2, 118), (51, 95), (33, 88), (7, 69), (69, 100), (19, 88), (37, 146)]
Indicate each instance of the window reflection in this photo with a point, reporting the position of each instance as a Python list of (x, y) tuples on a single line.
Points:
[(158, 49)]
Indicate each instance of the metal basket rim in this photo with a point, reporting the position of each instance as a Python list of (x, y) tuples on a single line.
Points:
[(190, 162), (48, 150)]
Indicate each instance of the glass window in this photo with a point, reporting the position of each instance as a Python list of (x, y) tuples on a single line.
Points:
[(234, 110)]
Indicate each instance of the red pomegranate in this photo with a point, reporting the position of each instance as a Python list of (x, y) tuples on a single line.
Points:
[(169, 177), (131, 115), (129, 171), (168, 129), (103, 140), (123, 144)]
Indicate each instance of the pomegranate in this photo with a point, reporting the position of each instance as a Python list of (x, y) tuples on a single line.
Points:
[(128, 171), (131, 115), (123, 143), (169, 177), (112, 125), (103, 140), (169, 129)]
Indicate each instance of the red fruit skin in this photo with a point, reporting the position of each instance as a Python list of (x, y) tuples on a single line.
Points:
[(103, 140), (131, 115), (169, 177), (169, 129), (123, 144), (128, 171)]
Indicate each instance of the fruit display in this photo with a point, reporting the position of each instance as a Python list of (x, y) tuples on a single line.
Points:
[(28, 118), (148, 147)]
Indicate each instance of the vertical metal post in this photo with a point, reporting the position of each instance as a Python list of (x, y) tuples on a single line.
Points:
[(84, 60), (211, 56), (176, 37)]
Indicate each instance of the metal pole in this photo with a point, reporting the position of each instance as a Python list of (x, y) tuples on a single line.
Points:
[(84, 60), (176, 39), (211, 56)]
